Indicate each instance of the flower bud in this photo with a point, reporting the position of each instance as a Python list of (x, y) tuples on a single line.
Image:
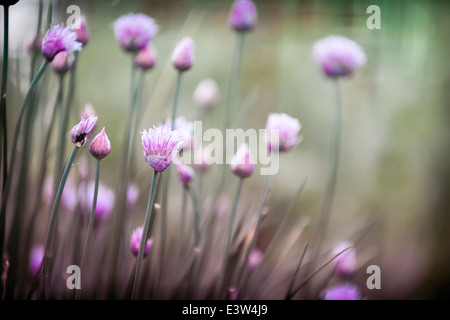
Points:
[(82, 34), (185, 174), (183, 55), (241, 164), (81, 132), (62, 62), (243, 15), (100, 146), (206, 93), (146, 58)]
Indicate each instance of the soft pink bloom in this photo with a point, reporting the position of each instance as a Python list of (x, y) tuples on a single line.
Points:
[(36, 256), (282, 131), (132, 196), (183, 54), (57, 39), (135, 241), (160, 146), (346, 262), (88, 111), (146, 58), (255, 258), (134, 31), (342, 292), (207, 93), (81, 132), (184, 128), (338, 56), (185, 174), (82, 33), (62, 62), (105, 199), (243, 15), (242, 164), (100, 146), (69, 197)]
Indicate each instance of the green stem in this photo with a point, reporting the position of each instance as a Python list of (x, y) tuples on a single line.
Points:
[(229, 234), (145, 235), (291, 286), (328, 200), (194, 274), (34, 53), (51, 226), (61, 133), (3, 93), (175, 101), (90, 225)]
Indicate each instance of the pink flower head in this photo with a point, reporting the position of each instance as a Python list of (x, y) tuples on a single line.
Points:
[(57, 39), (185, 129), (160, 146), (183, 54), (105, 200), (243, 15), (338, 56), (36, 256), (134, 31), (241, 164), (100, 146), (135, 242), (342, 292), (346, 262), (82, 131), (207, 93), (255, 258), (82, 33), (146, 58), (282, 131), (62, 62), (185, 174)]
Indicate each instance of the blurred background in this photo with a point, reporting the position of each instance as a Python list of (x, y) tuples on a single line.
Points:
[(394, 175)]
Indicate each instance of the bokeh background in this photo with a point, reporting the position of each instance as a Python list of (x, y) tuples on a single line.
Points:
[(394, 173)]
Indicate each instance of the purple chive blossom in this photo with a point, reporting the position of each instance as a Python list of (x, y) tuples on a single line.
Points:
[(57, 39), (338, 56), (62, 62), (346, 262), (243, 15), (81, 132), (105, 200), (134, 31), (100, 146), (185, 129), (36, 256), (185, 174), (82, 33), (160, 146), (146, 58), (282, 131), (241, 164), (207, 93), (183, 54), (342, 292), (135, 242)]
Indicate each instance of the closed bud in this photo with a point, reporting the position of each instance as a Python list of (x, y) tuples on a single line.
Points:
[(62, 62), (183, 55), (241, 164), (100, 146), (146, 58)]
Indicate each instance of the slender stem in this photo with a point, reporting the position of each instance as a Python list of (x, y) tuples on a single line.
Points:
[(3, 93), (145, 235), (90, 225), (291, 286), (328, 200), (194, 274), (61, 134), (175, 101), (34, 52), (51, 226), (70, 96), (229, 234)]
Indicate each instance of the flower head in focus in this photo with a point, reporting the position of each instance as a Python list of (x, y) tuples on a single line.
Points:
[(135, 242), (134, 31), (183, 54), (160, 146), (100, 146), (338, 56), (81, 132), (59, 38), (282, 131), (243, 15)]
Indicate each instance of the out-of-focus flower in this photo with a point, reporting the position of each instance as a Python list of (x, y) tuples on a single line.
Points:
[(282, 131), (338, 56), (100, 146), (183, 54), (36, 256), (134, 31), (207, 93), (82, 33), (135, 242), (241, 164), (35, 45), (146, 58), (185, 174), (59, 38), (81, 132), (342, 292), (243, 15), (132, 196), (69, 197), (184, 128), (255, 258), (62, 62), (346, 262), (160, 146), (105, 200), (202, 159), (88, 111)]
